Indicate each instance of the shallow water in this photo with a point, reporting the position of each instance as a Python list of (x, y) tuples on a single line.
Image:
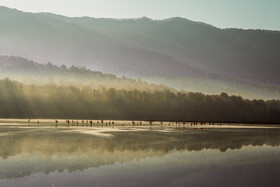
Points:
[(127, 155)]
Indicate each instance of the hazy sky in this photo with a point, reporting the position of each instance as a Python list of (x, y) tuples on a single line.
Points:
[(263, 14)]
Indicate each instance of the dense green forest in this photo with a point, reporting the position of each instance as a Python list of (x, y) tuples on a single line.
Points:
[(18, 100)]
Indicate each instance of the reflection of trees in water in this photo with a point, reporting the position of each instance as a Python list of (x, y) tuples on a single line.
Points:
[(55, 143), (54, 151)]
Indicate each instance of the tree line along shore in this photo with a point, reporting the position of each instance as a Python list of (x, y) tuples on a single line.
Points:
[(18, 100)]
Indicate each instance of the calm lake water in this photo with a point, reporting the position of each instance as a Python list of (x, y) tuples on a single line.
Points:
[(227, 155)]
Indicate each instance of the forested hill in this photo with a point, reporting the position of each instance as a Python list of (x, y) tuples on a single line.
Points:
[(18, 100), (22, 66), (175, 52), (23, 70), (174, 46)]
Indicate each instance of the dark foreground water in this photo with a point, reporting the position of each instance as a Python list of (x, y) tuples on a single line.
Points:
[(42, 155)]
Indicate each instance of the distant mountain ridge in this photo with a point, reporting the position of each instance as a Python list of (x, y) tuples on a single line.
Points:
[(236, 53), (155, 50)]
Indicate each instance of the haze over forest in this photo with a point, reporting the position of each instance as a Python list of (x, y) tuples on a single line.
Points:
[(136, 60)]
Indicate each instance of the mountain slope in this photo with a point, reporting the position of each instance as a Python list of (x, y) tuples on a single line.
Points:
[(44, 38), (175, 51), (248, 54), (23, 70), (30, 72)]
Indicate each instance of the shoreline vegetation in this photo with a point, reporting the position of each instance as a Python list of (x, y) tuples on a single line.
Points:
[(19, 100)]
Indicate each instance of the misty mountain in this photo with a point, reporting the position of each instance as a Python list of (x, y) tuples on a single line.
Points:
[(176, 51), (30, 72), (44, 38), (247, 54)]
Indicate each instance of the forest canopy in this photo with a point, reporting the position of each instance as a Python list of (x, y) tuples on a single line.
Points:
[(18, 100)]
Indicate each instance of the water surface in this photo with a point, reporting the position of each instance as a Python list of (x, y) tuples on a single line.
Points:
[(127, 155)]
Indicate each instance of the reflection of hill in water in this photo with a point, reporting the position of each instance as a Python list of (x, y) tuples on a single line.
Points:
[(48, 151)]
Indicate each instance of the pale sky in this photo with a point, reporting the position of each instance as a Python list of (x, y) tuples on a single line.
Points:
[(255, 14)]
